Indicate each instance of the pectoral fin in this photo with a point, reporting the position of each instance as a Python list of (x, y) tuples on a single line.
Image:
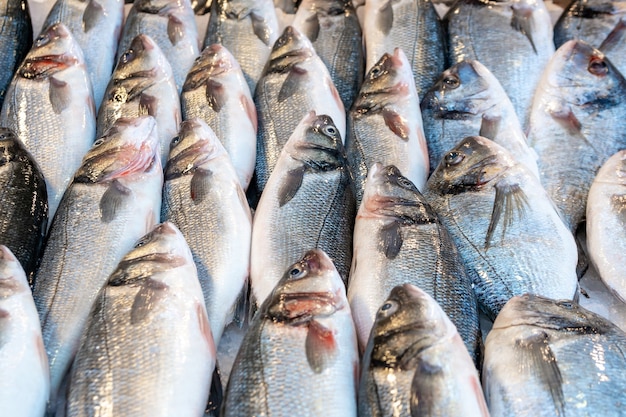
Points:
[(396, 123), (489, 127), (510, 203), (615, 39), (384, 22), (215, 95), (566, 118), (427, 388), (60, 95), (291, 83), (321, 347), (175, 29), (312, 27), (390, 239), (200, 185), (113, 200), (521, 20), (150, 293), (291, 184), (94, 12), (260, 28)]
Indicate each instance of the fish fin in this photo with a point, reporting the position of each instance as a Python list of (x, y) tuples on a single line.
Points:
[(390, 239), (510, 200), (425, 386), (254, 306), (312, 27), (489, 127), (321, 347), (216, 394), (261, 28), (147, 105), (475, 386), (291, 184), (112, 201), (291, 83), (94, 12), (566, 118), (615, 38), (205, 327), (396, 123), (250, 109), (175, 29), (149, 293), (60, 95), (521, 21), (242, 306), (215, 95), (384, 23), (200, 185)]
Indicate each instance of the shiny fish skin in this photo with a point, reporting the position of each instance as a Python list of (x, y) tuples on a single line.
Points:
[(606, 225), (142, 84), (203, 197), (468, 100), (115, 199), (147, 349), (25, 384), (23, 202), (577, 123), (416, 364), (96, 26), (385, 124), (569, 360), (16, 33), (307, 203), (215, 91), (507, 229), (248, 29), (49, 106), (399, 239), (299, 357), (512, 39)]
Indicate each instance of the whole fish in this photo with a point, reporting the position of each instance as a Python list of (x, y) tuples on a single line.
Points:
[(171, 24), (569, 360), (416, 364), (576, 123), (142, 84), (203, 197), (468, 100), (158, 354), (510, 236), (96, 26), (385, 124), (307, 203), (115, 199), (216, 92), (16, 33), (295, 82), (25, 384), (606, 224), (49, 105), (414, 27), (334, 30), (513, 39), (399, 239), (248, 29), (299, 356)]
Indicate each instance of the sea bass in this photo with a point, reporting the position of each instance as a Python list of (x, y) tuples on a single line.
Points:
[(398, 239), (16, 33), (115, 199), (507, 229), (49, 106), (299, 356)]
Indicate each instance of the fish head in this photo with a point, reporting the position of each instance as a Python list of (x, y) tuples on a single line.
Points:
[(215, 61), (317, 143), (291, 48), (141, 60), (12, 276)]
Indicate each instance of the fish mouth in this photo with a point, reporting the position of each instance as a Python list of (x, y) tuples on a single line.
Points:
[(41, 67)]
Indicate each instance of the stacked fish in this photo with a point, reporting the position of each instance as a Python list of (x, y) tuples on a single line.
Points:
[(355, 226)]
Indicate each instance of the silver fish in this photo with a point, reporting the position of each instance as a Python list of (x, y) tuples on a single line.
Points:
[(507, 229), (115, 199)]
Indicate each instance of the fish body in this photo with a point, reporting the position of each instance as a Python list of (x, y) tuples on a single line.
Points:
[(16, 33), (216, 91), (203, 197), (49, 106), (115, 199), (510, 236)]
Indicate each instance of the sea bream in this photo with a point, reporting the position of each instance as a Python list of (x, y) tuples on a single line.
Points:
[(114, 199), (49, 106), (299, 356), (16, 33), (508, 231)]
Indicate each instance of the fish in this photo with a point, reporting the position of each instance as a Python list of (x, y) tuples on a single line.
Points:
[(299, 356), (295, 82), (203, 198), (566, 358), (171, 24), (307, 203), (16, 32), (468, 100), (575, 124), (512, 39), (96, 25), (416, 363), (507, 229), (142, 84), (49, 106), (606, 225), (385, 124), (215, 91), (25, 384), (398, 239), (412, 26), (23, 202), (248, 29), (114, 200), (333, 28), (147, 348)]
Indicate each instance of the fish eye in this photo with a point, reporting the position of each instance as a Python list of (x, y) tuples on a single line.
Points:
[(404, 182), (127, 56), (566, 304), (454, 158), (451, 81), (297, 272), (330, 130), (388, 308), (98, 142), (175, 141), (42, 40), (597, 66), (376, 71), (143, 241)]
